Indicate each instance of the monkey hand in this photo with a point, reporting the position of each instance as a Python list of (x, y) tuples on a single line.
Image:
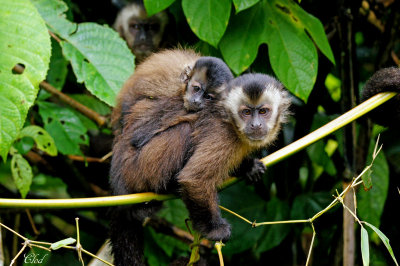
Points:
[(256, 171), (220, 231)]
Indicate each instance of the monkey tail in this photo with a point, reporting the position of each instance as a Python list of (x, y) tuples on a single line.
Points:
[(126, 234), (384, 80)]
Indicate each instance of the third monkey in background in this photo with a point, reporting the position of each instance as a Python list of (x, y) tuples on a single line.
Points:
[(142, 33)]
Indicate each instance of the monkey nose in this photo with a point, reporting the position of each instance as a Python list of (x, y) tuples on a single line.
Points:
[(256, 126)]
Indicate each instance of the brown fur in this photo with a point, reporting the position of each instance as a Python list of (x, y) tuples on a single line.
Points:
[(160, 75)]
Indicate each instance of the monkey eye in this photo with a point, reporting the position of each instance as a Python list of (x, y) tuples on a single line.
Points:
[(196, 88), (263, 111), (246, 112), (209, 96), (134, 26)]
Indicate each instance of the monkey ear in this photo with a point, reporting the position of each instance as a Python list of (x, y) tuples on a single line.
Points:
[(186, 74)]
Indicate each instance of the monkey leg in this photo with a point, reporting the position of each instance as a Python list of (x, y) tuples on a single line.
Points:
[(202, 204)]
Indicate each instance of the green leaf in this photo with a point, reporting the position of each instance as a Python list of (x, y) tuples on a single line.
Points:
[(92, 103), (292, 54), (241, 5), (64, 126), (155, 6), (58, 70), (245, 33), (318, 156), (273, 235), (312, 25), (364, 246), (53, 12), (62, 243), (242, 200), (208, 19), (175, 212), (384, 239), (307, 205), (43, 140), (22, 174), (371, 203), (18, 91), (98, 60), (99, 57), (49, 187)]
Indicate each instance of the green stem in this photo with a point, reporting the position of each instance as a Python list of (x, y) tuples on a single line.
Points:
[(273, 158)]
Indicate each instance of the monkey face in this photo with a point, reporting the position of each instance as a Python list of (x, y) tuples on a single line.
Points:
[(198, 94), (143, 34), (257, 105), (206, 82), (255, 120)]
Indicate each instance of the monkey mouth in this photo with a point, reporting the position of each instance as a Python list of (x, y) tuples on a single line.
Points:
[(256, 135)]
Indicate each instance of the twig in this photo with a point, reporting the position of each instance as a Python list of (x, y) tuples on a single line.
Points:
[(19, 253), (218, 246), (311, 244), (35, 231), (85, 159), (78, 246)]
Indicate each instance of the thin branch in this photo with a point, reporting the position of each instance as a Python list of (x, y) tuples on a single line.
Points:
[(218, 246), (311, 244)]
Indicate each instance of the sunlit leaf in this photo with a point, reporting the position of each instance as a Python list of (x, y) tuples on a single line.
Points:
[(42, 139), (18, 91), (155, 6), (208, 19), (62, 243)]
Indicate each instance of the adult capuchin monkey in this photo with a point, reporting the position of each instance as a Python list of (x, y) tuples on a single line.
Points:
[(142, 33), (192, 160), (386, 79)]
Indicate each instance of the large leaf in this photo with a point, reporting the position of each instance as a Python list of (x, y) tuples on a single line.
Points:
[(43, 140), (64, 126), (208, 19), (23, 40), (292, 54), (281, 24), (99, 57), (241, 5), (155, 6), (22, 174), (240, 43), (370, 203)]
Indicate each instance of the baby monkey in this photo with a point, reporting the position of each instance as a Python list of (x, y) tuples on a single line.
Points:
[(204, 85)]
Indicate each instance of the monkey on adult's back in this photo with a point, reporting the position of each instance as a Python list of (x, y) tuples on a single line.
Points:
[(385, 80)]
